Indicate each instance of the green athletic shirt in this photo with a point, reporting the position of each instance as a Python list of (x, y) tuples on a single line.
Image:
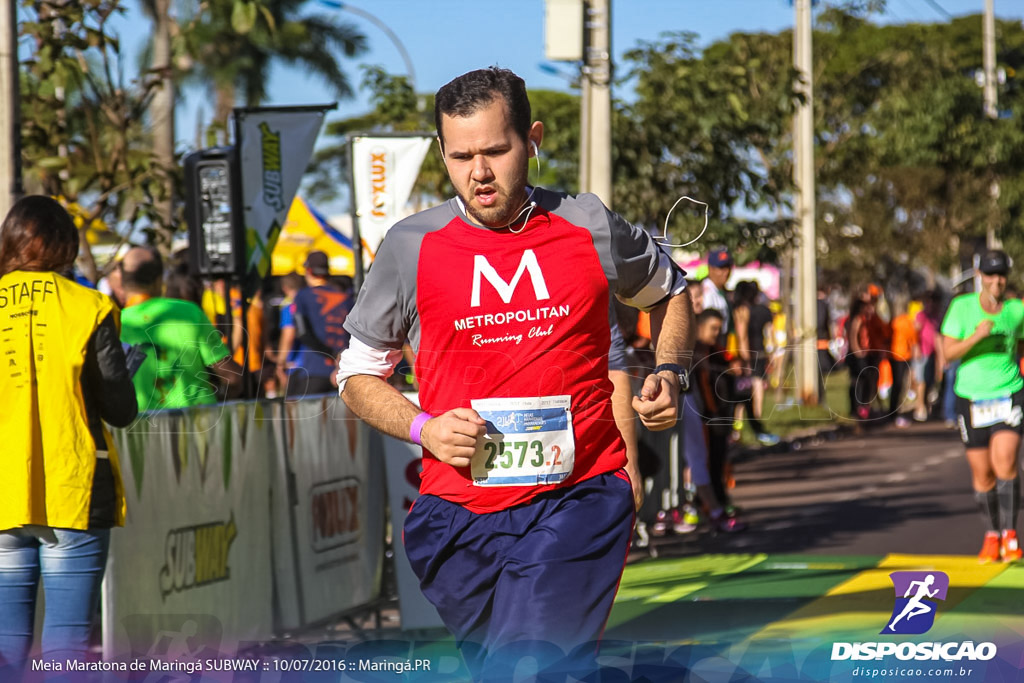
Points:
[(989, 368), (180, 343)]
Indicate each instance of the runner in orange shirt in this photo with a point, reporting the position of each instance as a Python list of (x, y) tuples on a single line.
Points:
[(904, 350)]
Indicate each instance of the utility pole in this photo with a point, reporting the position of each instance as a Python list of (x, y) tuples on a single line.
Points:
[(10, 103), (596, 111), (585, 130), (988, 33), (806, 355)]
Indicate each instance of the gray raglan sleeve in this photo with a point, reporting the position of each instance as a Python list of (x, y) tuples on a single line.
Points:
[(644, 273), (640, 273), (382, 315)]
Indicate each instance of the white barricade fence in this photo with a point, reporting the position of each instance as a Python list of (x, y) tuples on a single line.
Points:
[(328, 501), (190, 572), (244, 519)]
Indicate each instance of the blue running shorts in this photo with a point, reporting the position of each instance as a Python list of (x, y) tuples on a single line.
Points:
[(537, 580)]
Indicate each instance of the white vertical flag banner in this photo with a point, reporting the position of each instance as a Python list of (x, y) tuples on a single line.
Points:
[(384, 170), (275, 145)]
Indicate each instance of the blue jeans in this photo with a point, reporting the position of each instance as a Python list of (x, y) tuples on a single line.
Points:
[(948, 396), (70, 564)]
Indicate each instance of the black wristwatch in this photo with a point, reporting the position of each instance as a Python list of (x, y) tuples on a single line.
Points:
[(680, 372)]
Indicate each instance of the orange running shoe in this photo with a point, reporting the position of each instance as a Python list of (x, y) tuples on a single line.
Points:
[(990, 550), (1011, 549)]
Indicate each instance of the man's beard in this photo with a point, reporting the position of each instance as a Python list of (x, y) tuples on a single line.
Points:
[(505, 209)]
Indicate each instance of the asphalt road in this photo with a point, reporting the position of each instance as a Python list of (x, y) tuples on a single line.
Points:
[(882, 490)]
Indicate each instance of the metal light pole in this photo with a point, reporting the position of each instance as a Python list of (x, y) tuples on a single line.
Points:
[(409, 70), (805, 356), (10, 118), (585, 130)]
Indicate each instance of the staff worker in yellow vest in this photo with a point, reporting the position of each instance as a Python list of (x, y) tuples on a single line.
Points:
[(62, 374)]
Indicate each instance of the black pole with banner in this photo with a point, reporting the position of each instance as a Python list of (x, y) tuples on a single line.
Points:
[(237, 200), (359, 272), (274, 148), (213, 203)]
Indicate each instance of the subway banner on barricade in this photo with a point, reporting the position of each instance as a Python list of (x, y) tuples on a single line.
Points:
[(384, 170), (190, 573), (328, 499), (244, 519), (275, 145)]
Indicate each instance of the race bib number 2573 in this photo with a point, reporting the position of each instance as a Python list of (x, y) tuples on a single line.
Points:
[(529, 441)]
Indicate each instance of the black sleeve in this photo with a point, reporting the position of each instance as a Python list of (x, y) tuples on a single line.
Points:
[(106, 375)]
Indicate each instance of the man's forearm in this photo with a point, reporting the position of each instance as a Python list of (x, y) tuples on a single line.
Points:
[(622, 410), (285, 344), (672, 330), (625, 420), (380, 405)]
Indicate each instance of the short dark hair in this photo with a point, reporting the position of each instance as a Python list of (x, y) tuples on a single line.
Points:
[(38, 234), (182, 284), (709, 313), (146, 274), (293, 280), (470, 92)]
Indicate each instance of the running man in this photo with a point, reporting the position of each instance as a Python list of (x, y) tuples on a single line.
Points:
[(915, 606), (982, 331), (525, 514)]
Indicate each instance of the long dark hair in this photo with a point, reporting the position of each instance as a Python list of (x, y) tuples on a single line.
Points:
[(746, 293), (39, 235)]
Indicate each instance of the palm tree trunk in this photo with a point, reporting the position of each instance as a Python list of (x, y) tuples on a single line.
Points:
[(163, 120), (223, 107)]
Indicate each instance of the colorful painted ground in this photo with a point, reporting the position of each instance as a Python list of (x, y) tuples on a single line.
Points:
[(779, 618)]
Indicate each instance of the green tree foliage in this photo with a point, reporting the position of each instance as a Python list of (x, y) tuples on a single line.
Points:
[(82, 133), (904, 152), (712, 125), (396, 109), (230, 46)]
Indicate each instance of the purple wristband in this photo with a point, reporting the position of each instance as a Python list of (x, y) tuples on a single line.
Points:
[(417, 426)]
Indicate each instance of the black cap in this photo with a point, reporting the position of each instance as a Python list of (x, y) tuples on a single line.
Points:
[(995, 262), (317, 264)]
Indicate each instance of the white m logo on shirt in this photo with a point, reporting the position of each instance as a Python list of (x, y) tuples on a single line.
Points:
[(505, 289)]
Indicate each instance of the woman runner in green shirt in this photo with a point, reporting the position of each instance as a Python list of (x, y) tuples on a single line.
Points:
[(983, 330)]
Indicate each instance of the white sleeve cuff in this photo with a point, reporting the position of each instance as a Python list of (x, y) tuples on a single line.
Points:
[(666, 281), (362, 359)]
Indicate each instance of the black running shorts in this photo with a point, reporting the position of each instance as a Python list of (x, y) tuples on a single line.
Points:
[(978, 437)]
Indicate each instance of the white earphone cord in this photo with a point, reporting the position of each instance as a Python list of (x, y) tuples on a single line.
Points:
[(528, 205), (664, 237)]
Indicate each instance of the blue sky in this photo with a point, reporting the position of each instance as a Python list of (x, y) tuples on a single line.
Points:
[(445, 38)]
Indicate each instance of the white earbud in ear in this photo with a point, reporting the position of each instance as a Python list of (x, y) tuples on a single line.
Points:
[(536, 150)]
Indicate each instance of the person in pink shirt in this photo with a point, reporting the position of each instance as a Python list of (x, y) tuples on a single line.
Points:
[(927, 368)]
